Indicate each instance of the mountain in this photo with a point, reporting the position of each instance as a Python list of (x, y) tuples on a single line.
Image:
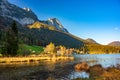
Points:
[(12, 12), (33, 31), (25, 16), (114, 43), (45, 36)]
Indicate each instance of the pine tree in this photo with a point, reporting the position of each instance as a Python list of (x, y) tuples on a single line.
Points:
[(12, 40), (15, 37), (14, 28), (3, 43)]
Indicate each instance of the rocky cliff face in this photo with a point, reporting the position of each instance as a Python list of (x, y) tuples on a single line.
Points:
[(11, 11), (55, 22)]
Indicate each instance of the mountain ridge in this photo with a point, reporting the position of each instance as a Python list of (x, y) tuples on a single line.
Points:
[(114, 43)]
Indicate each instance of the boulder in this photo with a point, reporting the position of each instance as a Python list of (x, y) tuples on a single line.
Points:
[(82, 66)]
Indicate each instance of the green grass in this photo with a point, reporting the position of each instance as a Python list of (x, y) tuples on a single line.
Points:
[(29, 49), (37, 49)]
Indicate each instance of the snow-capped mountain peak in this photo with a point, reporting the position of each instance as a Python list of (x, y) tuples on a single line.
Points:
[(55, 22), (27, 9)]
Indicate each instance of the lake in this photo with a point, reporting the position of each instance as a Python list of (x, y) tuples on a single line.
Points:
[(60, 70)]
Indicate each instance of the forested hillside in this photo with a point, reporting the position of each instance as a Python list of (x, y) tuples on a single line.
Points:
[(45, 36)]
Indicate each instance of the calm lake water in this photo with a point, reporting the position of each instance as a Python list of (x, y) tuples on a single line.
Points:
[(106, 60), (60, 70)]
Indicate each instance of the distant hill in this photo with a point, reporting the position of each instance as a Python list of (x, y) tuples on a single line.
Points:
[(114, 43), (39, 25), (89, 40)]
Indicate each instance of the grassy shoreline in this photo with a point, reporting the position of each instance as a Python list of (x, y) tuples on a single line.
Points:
[(31, 59)]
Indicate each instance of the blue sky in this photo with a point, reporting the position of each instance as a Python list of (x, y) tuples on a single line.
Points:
[(96, 19)]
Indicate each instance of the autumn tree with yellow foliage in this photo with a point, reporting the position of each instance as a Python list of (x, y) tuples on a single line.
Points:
[(62, 50), (50, 49)]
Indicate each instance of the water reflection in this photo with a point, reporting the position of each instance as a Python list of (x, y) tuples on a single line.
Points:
[(61, 69), (50, 65)]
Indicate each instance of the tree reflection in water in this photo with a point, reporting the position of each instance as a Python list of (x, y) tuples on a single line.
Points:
[(53, 70)]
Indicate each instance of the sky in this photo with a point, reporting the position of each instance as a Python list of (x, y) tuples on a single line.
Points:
[(96, 19)]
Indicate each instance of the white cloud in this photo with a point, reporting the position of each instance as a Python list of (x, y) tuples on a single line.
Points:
[(116, 28)]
